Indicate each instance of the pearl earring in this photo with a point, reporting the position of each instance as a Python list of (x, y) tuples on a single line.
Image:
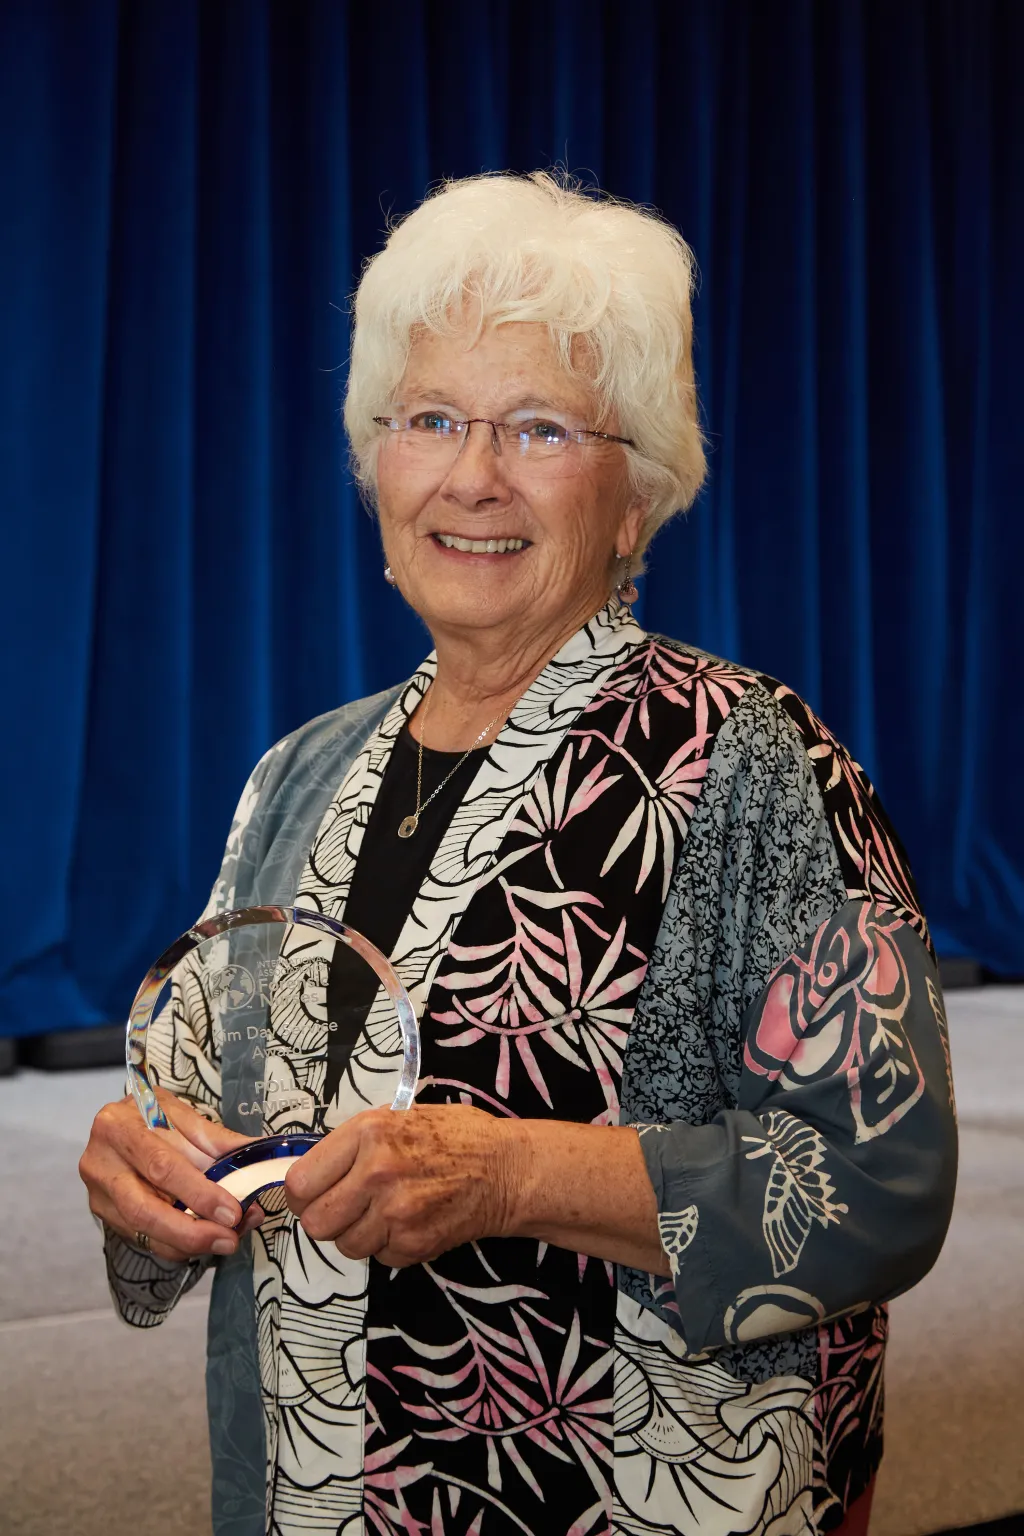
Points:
[(389, 577), (627, 586)]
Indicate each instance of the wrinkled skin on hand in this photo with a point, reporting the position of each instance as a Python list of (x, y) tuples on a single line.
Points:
[(407, 1187), (134, 1175)]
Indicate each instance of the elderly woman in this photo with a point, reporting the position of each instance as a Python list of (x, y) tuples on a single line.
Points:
[(685, 1120)]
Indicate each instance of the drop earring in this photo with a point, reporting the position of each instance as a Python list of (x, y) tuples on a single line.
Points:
[(389, 577), (627, 586)]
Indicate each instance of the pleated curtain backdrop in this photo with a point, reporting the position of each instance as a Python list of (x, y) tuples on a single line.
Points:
[(188, 190)]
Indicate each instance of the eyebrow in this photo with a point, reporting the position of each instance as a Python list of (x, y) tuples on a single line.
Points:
[(438, 397)]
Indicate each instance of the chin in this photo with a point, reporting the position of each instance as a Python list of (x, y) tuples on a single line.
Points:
[(477, 598), (468, 611)]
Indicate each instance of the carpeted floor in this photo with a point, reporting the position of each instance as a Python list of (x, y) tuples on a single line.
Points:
[(955, 1375), (102, 1429)]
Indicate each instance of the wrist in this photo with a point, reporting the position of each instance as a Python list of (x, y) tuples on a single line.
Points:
[(518, 1179)]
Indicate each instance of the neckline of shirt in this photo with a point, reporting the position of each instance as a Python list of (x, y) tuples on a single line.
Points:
[(407, 741)]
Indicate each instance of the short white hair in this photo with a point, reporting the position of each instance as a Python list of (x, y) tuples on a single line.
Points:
[(612, 282)]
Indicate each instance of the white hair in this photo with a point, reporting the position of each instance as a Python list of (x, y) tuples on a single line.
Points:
[(611, 281)]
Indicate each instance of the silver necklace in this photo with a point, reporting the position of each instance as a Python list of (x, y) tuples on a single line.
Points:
[(409, 824)]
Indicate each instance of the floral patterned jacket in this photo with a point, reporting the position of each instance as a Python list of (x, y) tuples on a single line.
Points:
[(670, 898)]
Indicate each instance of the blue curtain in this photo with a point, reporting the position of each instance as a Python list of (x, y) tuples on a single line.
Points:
[(188, 189)]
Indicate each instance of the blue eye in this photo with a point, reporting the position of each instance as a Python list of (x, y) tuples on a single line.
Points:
[(434, 423), (544, 431)]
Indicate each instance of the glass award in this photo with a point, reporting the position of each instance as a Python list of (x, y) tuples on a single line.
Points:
[(306, 1017)]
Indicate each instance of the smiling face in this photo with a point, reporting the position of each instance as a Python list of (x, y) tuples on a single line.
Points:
[(565, 531)]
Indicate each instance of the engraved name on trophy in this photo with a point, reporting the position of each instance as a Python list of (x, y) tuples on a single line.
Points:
[(305, 1016)]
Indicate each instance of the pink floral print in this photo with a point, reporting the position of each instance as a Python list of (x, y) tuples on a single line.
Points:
[(502, 1353)]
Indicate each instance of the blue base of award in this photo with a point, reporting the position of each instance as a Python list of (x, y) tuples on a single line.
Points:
[(269, 1150)]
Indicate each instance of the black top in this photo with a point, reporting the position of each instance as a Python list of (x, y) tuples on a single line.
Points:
[(387, 877)]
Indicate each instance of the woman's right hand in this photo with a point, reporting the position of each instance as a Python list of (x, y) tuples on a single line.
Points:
[(134, 1175)]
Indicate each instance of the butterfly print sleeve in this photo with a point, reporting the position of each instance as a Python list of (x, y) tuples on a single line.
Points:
[(790, 1070)]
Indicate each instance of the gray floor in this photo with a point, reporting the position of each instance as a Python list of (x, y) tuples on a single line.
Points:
[(955, 1419), (103, 1428)]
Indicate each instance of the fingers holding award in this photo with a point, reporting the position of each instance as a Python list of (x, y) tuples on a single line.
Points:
[(308, 1021)]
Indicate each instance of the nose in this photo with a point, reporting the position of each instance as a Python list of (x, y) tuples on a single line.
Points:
[(477, 475)]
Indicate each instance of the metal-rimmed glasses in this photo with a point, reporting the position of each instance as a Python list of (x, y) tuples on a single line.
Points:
[(545, 443)]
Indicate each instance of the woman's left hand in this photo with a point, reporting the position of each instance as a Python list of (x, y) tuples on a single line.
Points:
[(405, 1188)]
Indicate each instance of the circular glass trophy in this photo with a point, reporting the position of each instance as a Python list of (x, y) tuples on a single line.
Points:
[(306, 1018)]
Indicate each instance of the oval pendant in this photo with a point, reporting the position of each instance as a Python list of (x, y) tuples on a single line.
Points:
[(407, 827)]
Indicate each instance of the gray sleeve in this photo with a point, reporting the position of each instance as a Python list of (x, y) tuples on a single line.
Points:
[(830, 1187), (817, 1174)]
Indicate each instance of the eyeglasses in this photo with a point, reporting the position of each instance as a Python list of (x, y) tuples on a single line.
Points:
[(546, 444)]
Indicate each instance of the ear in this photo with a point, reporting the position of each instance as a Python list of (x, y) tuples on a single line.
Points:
[(628, 535)]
